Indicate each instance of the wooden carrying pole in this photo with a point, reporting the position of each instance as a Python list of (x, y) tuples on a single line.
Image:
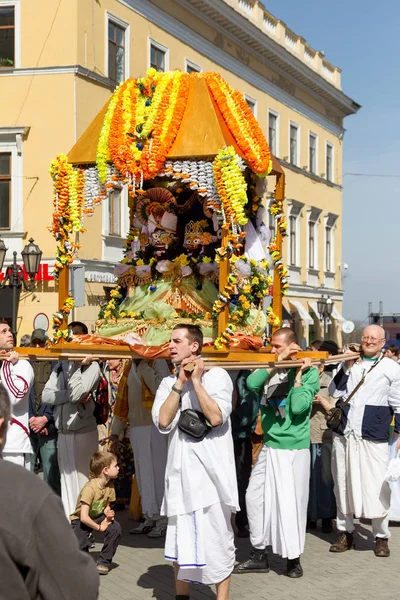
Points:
[(223, 280), (63, 293), (277, 293)]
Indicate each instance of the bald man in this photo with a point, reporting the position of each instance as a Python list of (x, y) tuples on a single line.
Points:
[(360, 442)]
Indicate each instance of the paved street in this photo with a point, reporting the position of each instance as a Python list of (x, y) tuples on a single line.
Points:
[(357, 575)]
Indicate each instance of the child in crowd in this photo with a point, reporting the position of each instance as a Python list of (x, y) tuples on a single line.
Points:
[(93, 511)]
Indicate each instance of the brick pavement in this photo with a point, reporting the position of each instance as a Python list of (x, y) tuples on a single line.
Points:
[(142, 572)]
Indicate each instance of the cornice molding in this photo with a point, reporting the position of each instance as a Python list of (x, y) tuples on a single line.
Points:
[(310, 292), (288, 165), (59, 70), (256, 42)]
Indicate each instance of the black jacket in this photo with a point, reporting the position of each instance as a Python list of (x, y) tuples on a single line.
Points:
[(39, 555)]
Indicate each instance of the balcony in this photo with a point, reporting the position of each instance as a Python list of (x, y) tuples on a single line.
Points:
[(293, 43)]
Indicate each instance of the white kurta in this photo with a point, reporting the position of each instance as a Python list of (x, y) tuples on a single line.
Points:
[(150, 450), (150, 447), (200, 475), (394, 513), (359, 468), (17, 380), (277, 499)]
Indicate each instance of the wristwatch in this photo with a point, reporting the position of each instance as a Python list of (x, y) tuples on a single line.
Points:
[(177, 390)]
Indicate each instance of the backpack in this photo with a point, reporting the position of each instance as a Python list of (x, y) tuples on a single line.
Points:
[(102, 406)]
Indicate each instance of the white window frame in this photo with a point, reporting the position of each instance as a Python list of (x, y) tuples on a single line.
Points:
[(124, 214), (330, 223), (192, 65), (315, 136), (271, 221), (11, 143), (277, 116), (252, 101), (297, 126), (17, 30), (313, 217), (330, 145), (153, 42), (295, 207), (117, 21)]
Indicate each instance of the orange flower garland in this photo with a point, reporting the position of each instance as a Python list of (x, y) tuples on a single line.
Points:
[(242, 123), (119, 141)]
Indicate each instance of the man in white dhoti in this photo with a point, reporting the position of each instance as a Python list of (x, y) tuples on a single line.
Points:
[(17, 377), (360, 443), (69, 389), (277, 495), (150, 447), (200, 483)]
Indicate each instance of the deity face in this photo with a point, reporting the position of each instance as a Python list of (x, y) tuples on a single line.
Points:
[(192, 241), (161, 239)]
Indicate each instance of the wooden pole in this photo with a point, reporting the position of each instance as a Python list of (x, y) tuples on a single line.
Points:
[(63, 293), (277, 295), (223, 316)]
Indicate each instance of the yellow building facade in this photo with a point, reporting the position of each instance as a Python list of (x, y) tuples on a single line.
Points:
[(59, 63)]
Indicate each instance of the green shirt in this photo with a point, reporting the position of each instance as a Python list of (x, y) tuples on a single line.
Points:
[(293, 431)]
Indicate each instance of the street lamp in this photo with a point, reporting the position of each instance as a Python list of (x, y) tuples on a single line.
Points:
[(14, 275), (325, 307)]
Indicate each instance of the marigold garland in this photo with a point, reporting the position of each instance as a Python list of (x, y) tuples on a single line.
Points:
[(68, 201), (242, 123), (58, 318), (231, 186)]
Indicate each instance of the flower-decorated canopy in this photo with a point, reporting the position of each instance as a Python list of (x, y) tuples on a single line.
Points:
[(201, 134), (194, 160)]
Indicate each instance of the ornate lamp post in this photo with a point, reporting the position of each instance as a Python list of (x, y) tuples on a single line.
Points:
[(325, 307), (14, 275)]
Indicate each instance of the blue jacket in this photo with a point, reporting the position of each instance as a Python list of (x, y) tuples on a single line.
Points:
[(44, 410)]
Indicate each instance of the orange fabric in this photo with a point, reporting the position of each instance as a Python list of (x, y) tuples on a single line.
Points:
[(121, 407), (239, 341), (135, 507)]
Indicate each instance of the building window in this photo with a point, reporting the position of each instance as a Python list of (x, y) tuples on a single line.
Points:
[(294, 145), (251, 103), (271, 225), (7, 36), (312, 153), (273, 133), (116, 52), (158, 57), (191, 67), (311, 245), (5, 190), (328, 249), (293, 240), (114, 212), (329, 162)]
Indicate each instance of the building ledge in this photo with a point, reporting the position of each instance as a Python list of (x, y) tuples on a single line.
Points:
[(316, 178)]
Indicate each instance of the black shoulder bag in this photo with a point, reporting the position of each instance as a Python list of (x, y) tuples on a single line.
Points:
[(194, 424), (335, 414)]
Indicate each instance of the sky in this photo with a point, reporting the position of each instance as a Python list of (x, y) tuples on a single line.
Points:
[(362, 39)]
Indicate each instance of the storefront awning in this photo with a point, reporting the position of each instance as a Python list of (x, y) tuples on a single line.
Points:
[(336, 315), (314, 307), (304, 315)]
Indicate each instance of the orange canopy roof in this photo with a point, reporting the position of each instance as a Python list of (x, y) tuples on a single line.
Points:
[(203, 131)]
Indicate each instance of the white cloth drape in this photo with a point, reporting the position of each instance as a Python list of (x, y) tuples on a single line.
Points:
[(359, 468), (19, 458), (202, 544), (150, 449), (74, 451), (277, 499), (394, 513)]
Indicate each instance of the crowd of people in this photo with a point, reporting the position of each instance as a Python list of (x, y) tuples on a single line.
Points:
[(214, 454)]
